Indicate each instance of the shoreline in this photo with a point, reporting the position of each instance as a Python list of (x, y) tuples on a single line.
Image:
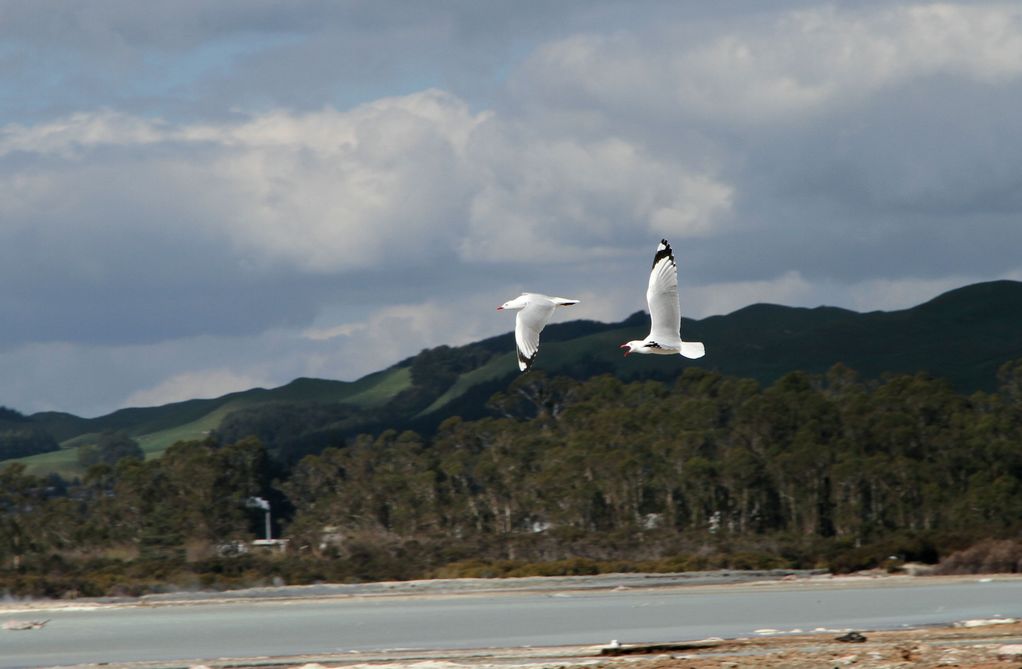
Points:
[(724, 580), (956, 641), (995, 645)]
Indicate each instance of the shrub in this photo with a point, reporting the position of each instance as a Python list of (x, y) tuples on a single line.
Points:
[(987, 557)]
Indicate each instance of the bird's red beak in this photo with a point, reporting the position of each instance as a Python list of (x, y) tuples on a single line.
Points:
[(627, 350), (500, 308)]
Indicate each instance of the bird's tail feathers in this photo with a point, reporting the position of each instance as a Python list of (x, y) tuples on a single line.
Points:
[(693, 349), (562, 302)]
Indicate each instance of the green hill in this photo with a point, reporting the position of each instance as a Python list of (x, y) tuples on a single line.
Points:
[(962, 335)]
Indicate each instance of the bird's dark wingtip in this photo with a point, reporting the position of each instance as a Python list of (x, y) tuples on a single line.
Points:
[(525, 360), (665, 252)]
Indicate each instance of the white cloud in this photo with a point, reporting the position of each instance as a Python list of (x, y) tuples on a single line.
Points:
[(396, 331), (793, 289), (326, 333), (903, 293), (418, 178), (778, 67), (560, 199), (701, 202), (790, 288), (71, 136), (322, 191), (207, 383), (92, 380)]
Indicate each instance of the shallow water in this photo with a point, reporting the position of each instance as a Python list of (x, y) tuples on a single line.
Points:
[(250, 628)]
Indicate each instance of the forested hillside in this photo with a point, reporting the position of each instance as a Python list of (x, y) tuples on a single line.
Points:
[(21, 436), (704, 470), (961, 336)]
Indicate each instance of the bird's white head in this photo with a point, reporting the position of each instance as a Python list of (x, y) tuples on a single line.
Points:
[(634, 346), (519, 302)]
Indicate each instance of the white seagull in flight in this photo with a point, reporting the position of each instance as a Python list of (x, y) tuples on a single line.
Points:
[(534, 310), (664, 311)]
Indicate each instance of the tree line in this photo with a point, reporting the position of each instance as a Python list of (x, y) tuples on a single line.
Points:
[(20, 437), (704, 471)]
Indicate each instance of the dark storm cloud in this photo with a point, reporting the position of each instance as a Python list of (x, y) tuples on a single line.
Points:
[(195, 195), (859, 142), (923, 181), (196, 58)]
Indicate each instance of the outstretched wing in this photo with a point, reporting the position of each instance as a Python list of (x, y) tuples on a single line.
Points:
[(528, 324), (662, 297)]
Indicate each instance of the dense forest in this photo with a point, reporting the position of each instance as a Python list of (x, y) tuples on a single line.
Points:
[(563, 476), (19, 436)]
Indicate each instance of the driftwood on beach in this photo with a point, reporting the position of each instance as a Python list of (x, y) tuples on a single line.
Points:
[(24, 624)]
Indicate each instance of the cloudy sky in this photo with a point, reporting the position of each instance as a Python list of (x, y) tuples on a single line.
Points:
[(198, 197)]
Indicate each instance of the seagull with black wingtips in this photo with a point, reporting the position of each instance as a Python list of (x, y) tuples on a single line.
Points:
[(534, 310), (664, 311)]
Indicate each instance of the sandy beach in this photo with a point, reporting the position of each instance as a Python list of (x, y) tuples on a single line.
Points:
[(996, 645), (984, 645)]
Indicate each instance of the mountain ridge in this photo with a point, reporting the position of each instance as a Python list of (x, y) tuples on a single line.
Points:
[(962, 335)]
